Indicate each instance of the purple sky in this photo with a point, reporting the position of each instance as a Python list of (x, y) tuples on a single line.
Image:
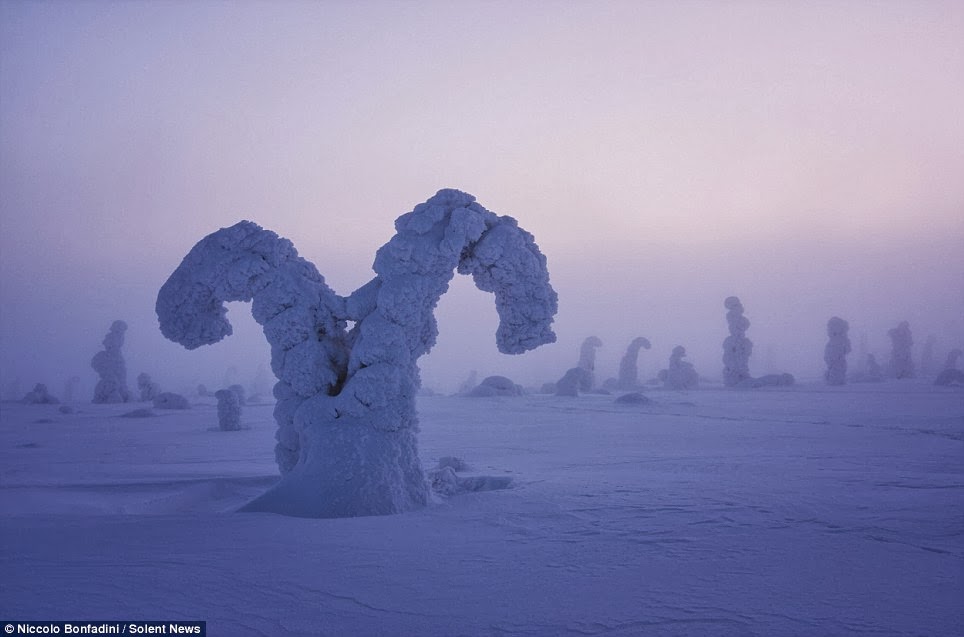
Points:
[(807, 157)]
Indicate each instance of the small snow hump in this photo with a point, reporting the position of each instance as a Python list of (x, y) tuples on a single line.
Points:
[(347, 366)]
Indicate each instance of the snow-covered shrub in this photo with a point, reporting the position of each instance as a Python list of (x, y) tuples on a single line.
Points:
[(901, 363), (346, 397), (680, 374), (109, 364), (147, 387), (770, 380), (229, 410), (633, 398), (39, 396), (836, 350), (496, 386), (737, 348), (170, 400)]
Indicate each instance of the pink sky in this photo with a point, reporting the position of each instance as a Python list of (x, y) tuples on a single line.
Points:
[(807, 157)]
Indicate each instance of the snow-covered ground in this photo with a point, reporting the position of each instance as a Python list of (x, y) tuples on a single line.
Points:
[(805, 510)]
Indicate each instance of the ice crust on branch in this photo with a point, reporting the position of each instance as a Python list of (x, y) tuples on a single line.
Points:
[(737, 348), (901, 364), (109, 364), (346, 397), (836, 350)]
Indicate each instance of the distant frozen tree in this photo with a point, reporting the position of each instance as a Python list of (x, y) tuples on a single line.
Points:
[(874, 372), (836, 350), (587, 361), (40, 396), (346, 397), (680, 374), (628, 368), (901, 363), (737, 348), (229, 410), (239, 392), (147, 387), (109, 364), (950, 375)]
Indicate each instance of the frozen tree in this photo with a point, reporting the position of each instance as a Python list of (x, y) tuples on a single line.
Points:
[(680, 374), (950, 375), (147, 387), (587, 362), (836, 350), (346, 397), (39, 396), (873, 372), (260, 385), (229, 410), (202, 390), (628, 370), (109, 364), (239, 391), (901, 364), (736, 347)]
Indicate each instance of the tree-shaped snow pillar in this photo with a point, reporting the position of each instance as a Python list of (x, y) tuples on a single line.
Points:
[(628, 369), (736, 347), (109, 365), (346, 398), (836, 350)]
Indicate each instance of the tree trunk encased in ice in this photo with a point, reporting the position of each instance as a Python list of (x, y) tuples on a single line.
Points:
[(346, 398)]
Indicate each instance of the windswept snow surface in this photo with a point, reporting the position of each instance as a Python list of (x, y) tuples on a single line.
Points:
[(803, 510)]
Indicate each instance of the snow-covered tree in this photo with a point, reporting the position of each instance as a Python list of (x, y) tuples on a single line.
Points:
[(496, 386), (628, 369), (147, 387), (40, 396), (573, 381), (109, 364), (737, 348), (680, 374), (170, 400), (836, 350), (346, 397), (928, 360), (587, 362), (901, 363), (950, 375), (229, 410)]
